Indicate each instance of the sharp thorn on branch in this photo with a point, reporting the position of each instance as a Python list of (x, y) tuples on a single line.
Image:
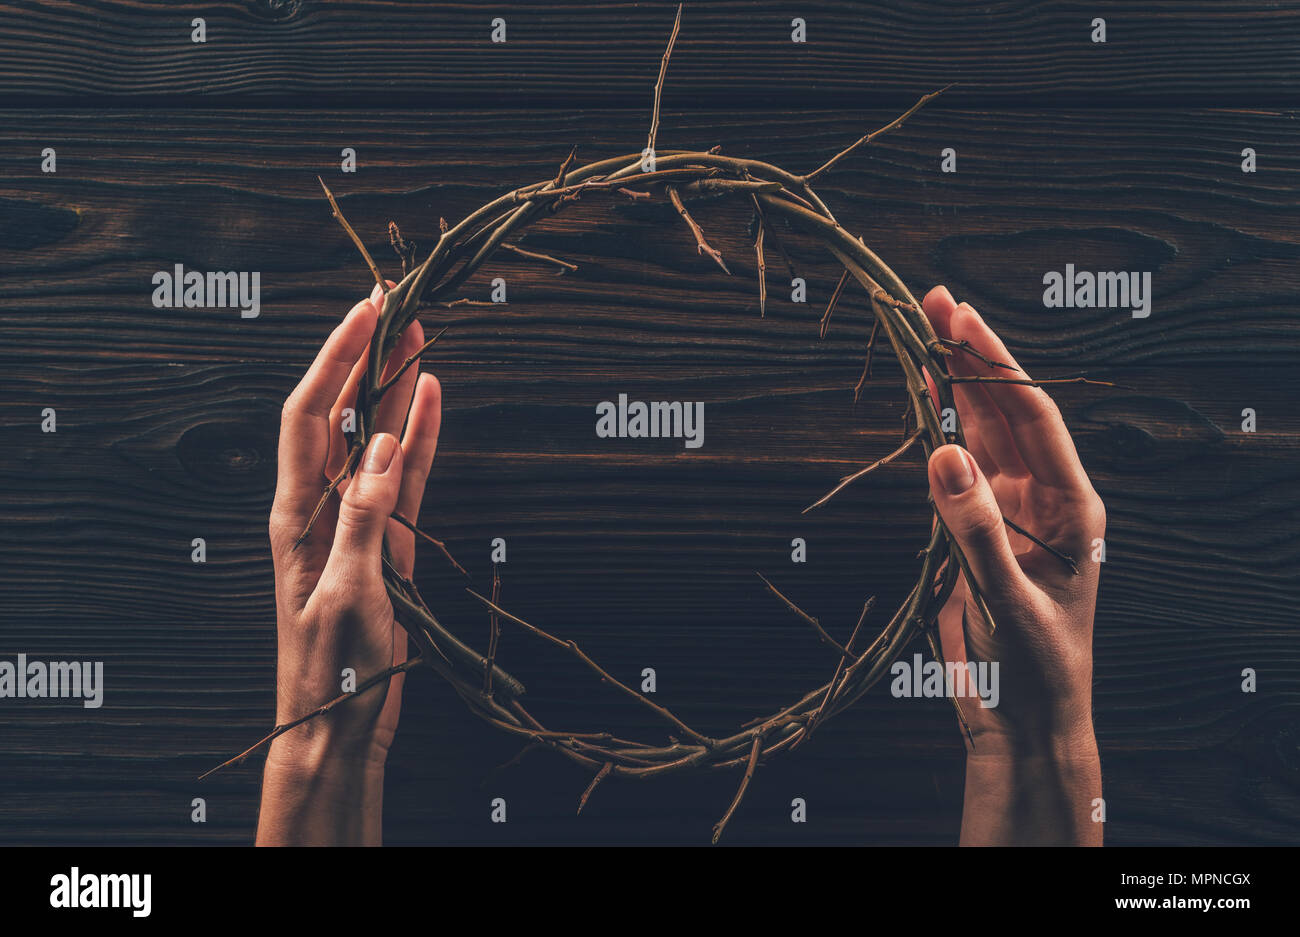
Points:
[(1028, 382), (893, 124), (494, 634), (534, 255), (659, 85), (438, 544), (603, 674), (531, 746), (600, 776), (560, 176), (969, 349), (1063, 557), (701, 245), (830, 307), (833, 688), (370, 261), (951, 693), (866, 365), (768, 229), (354, 454), (280, 730), (847, 480), (740, 793), (972, 584), (817, 626), (397, 375)]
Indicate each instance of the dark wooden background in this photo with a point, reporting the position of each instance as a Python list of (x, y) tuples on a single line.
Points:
[(1120, 156)]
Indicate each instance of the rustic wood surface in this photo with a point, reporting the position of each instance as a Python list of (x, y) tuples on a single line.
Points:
[(1119, 157), (738, 52)]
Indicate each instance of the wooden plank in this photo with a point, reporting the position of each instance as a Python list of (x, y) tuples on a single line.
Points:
[(380, 54), (221, 190), (168, 421)]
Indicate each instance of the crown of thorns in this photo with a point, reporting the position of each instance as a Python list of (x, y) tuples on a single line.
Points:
[(677, 175)]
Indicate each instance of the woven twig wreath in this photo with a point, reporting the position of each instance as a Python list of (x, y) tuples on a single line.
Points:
[(676, 175)]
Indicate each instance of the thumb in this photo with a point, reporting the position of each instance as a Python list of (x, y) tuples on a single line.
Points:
[(971, 514), (364, 512)]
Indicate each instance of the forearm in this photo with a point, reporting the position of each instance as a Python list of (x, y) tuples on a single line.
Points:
[(321, 795), (1043, 796)]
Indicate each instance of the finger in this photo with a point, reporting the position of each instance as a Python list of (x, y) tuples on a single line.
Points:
[(392, 411), (397, 399), (980, 416), (977, 408), (304, 421), (419, 444), (363, 515), (971, 513), (347, 400), (340, 415), (1033, 419), (938, 306), (970, 426)]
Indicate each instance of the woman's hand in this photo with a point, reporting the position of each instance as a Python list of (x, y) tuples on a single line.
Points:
[(324, 779), (1033, 773)]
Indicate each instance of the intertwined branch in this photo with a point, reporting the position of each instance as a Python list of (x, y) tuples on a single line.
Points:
[(462, 249)]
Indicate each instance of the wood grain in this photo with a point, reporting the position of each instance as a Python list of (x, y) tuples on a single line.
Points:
[(733, 54), (167, 423)]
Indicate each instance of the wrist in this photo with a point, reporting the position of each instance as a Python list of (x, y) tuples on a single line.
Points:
[(1044, 790), (323, 751), (1063, 744), (1059, 729), (315, 792)]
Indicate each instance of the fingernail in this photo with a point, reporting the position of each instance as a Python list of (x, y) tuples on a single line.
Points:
[(952, 465), (948, 293), (380, 454)]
